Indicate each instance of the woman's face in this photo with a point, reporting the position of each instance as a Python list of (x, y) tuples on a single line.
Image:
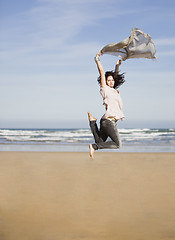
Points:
[(110, 81)]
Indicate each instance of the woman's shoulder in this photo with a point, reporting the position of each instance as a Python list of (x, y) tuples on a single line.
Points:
[(109, 89), (104, 88)]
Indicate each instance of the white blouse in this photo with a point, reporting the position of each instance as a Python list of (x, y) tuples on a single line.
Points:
[(113, 103)]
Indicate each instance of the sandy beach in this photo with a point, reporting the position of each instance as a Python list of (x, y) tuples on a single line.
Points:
[(68, 196)]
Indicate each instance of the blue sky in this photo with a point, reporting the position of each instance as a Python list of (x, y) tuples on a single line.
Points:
[(47, 71)]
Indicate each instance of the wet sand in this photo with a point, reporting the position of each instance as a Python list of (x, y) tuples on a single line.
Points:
[(68, 196)]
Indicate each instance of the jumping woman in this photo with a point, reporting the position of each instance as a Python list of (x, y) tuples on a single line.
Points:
[(109, 82)]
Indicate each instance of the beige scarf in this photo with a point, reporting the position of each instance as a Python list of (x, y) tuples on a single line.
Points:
[(138, 45)]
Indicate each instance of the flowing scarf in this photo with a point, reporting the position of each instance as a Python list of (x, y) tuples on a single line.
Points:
[(138, 45)]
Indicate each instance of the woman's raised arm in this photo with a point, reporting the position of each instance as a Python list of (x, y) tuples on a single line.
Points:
[(100, 69)]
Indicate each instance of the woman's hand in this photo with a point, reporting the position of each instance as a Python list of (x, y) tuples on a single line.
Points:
[(119, 62), (97, 57), (99, 53), (117, 66)]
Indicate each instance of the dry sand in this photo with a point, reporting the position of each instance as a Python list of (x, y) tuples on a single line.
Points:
[(68, 196)]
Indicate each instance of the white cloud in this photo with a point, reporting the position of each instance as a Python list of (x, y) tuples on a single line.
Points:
[(49, 27), (167, 53), (165, 46), (53, 23), (49, 35), (73, 2), (165, 41)]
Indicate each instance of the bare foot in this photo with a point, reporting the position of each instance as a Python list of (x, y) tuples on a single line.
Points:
[(91, 118), (91, 151)]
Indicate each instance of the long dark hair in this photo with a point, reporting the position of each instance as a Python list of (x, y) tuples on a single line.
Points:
[(118, 78)]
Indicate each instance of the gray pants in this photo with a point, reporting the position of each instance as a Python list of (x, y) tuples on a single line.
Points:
[(107, 129)]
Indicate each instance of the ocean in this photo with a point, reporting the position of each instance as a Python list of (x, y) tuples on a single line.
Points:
[(78, 140)]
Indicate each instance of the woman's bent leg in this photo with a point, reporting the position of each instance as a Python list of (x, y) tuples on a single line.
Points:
[(108, 128), (99, 136)]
